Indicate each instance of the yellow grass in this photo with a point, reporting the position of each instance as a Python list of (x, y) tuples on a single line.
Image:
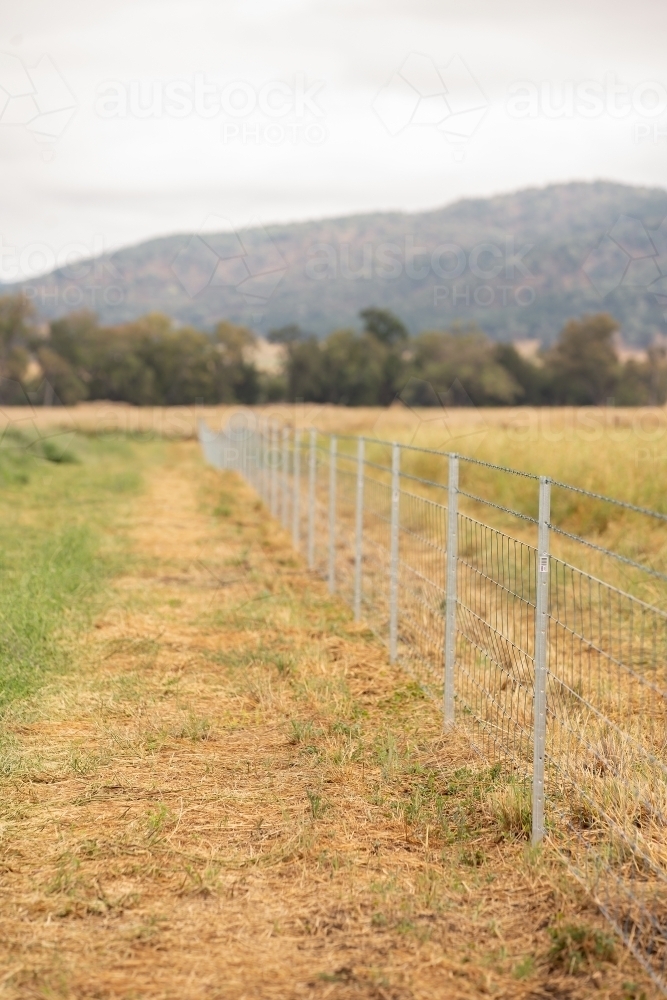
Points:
[(618, 448), (232, 794)]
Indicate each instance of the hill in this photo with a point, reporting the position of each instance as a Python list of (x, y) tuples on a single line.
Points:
[(518, 265)]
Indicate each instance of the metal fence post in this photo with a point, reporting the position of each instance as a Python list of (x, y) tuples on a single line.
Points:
[(332, 514), (273, 434), (312, 471), (541, 624), (252, 458), (296, 495), (393, 552), (220, 454), (285, 473), (450, 592), (359, 529), (265, 464)]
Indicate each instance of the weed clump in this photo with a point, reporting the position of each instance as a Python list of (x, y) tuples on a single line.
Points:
[(317, 804), (195, 728), (223, 508), (510, 807), (576, 947), (302, 732)]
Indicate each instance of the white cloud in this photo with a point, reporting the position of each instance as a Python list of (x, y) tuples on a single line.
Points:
[(128, 178)]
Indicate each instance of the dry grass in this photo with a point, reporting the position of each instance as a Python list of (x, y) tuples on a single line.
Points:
[(619, 452), (234, 795)]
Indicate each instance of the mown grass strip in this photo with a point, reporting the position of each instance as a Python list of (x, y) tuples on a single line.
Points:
[(58, 499)]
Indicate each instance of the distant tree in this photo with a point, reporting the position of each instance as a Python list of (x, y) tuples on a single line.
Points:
[(235, 342), (66, 385), (305, 370), (150, 361), (531, 378), (654, 373), (303, 366), (385, 326), (583, 367), (181, 361), (74, 338), (463, 363), (153, 361), (16, 319), (290, 334), (16, 331), (237, 379), (118, 366), (354, 369), (644, 382)]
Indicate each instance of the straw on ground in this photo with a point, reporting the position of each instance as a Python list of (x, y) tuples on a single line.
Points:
[(230, 793)]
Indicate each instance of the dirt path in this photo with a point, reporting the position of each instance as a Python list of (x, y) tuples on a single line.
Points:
[(233, 795)]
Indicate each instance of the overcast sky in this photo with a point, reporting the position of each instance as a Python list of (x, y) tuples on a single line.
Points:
[(124, 120)]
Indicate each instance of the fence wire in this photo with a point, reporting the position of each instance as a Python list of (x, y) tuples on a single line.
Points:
[(557, 674)]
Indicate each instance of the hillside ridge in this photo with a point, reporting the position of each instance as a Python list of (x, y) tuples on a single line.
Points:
[(518, 265)]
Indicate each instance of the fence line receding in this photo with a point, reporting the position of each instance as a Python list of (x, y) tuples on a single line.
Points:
[(547, 646)]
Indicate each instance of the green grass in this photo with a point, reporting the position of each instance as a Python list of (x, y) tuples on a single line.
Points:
[(58, 501), (577, 946)]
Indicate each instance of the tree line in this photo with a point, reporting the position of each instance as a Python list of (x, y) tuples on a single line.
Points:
[(153, 361)]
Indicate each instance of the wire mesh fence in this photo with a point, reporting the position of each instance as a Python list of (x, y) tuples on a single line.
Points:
[(533, 636)]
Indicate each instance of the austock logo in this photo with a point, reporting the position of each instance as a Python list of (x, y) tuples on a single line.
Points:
[(35, 97), (630, 256), (86, 276), (499, 274), (587, 99), (217, 257), (271, 113), (423, 93)]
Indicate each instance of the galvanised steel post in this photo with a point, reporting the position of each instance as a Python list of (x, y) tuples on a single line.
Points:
[(251, 464), (231, 451), (393, 550), (285, 473), (450, 590), (312, 472), (332, 514), (359, 529), (274, 470), (265, 464), (541, 626), (257, 458), (296, 495)]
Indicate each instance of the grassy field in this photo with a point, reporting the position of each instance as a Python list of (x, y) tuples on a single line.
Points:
[(615, 451), (55, 555), (620, 453), (214, 784)]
